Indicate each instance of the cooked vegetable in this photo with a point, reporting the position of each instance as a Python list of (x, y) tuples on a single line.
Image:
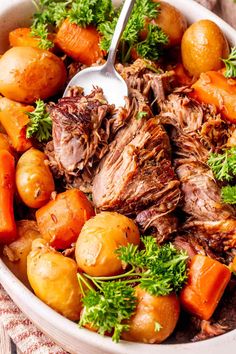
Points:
[(8, 231), (27, 74), (212, 87), (4, 143), (171, 21), (230, 64), (61, 220), (223, 165), (34, 180), (157, 269), (53, 278), (232, 139), (107, 309), (150, 46), (81, 44), (228, 194), (207, 281), (22, 37), (40, 123), (14, 120), (155, 318), (203, 45), (82, 13), (98, 241), (15, 254)]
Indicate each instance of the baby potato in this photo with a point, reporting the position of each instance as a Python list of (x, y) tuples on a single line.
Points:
[(53, 277), (202, 47), (152, 310), (98, 240), (27, 74), (34, 180), (15, 254), (172, 22)]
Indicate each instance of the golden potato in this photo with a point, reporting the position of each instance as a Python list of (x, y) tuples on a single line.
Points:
[(172, 22), (202, 47), (34, 180), (27, 74), (53, 277), (15, 254), (153, 311), (98, 240)]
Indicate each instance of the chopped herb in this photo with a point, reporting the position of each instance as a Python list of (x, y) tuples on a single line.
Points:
[(141, 114), (230, 64), (224, 165), (40, 124), (228, 194)]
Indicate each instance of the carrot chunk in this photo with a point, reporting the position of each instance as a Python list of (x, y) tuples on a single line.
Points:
[(14, 120), (207, 281), (21, 37), (213, 88), (81, 44), (61, 220), (8, 231)]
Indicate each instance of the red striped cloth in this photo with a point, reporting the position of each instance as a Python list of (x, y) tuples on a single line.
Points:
[(24, 334)]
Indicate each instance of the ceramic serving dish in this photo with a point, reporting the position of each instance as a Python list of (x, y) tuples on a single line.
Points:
[(15, 13)]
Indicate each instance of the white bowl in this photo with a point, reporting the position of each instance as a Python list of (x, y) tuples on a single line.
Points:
[(14, 13)]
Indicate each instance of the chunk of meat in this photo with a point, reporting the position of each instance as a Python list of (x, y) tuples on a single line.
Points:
[(136, 177), (82, 129)]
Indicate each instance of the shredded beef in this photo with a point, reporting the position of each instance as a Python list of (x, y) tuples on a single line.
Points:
[(196, 131), (82, 129)]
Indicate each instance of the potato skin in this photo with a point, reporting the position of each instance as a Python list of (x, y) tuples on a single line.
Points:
[(27, 74), (15, 254), (150, 309), (34, 180), (202, 47), (172, 22), (53, 277), (98, 240)]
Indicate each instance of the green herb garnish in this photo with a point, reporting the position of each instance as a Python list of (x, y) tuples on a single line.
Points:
[(159, 270), (224, 165), (151, 47), (228, 194), (107, 308), (230, 64), (40, 124)]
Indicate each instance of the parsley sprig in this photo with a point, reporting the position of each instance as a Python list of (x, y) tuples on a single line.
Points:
[(224, 168), (40, 124), (82, 12), (151, 47), (230, 64), (228, 194), (159, 270), (223, 165)]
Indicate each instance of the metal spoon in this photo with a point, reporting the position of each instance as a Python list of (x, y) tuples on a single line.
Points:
[(105, 76)]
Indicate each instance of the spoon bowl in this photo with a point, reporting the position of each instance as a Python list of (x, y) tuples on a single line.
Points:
[(114, 87), (105, 76)]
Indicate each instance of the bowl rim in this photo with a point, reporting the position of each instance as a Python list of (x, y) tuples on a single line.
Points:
[(23, 297)]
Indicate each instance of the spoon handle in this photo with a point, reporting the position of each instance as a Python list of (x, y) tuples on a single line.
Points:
[(121, 24)]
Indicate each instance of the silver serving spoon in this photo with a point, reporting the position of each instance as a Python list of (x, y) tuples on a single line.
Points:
[(105, 76)]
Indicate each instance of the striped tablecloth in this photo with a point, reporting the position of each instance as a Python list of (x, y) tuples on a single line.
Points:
[(17, 334)]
